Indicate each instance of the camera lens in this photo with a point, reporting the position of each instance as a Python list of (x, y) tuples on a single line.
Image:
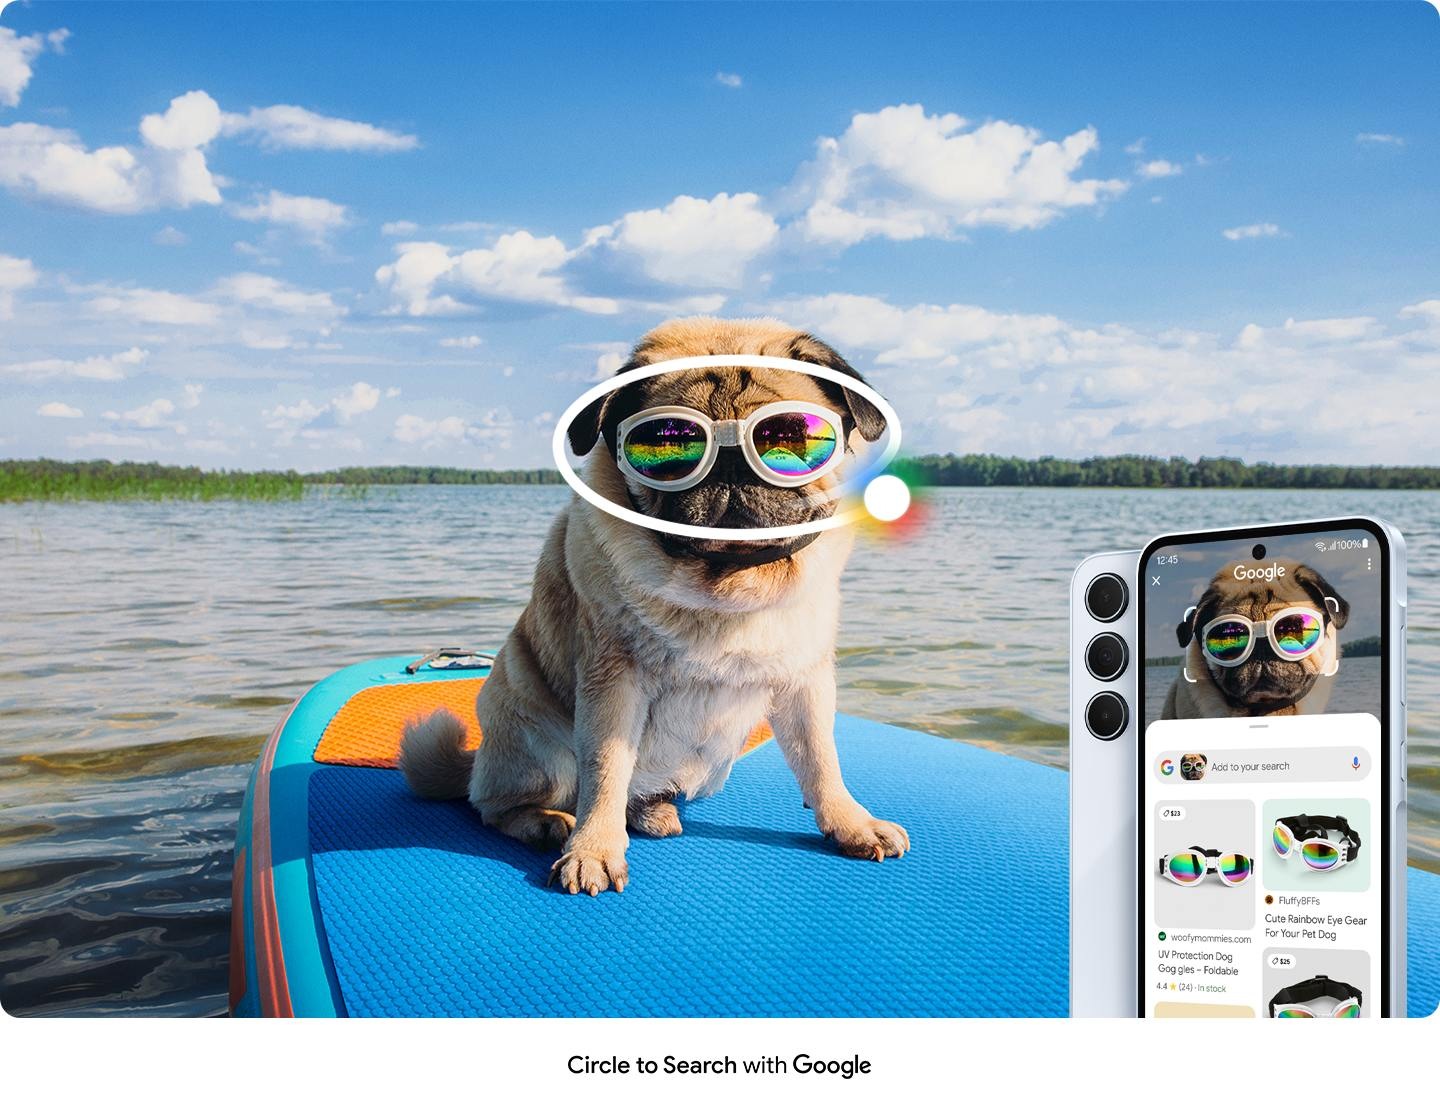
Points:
[(1106, 656), (1259, 551), (1107, 597), (1107, 715)]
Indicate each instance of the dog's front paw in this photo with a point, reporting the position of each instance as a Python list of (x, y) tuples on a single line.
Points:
[(590, 870), (865, 837)]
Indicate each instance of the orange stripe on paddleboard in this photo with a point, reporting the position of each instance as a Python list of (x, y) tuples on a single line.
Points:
[(270, 981)]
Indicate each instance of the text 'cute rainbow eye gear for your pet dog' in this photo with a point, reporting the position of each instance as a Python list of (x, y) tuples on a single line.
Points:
[(1293, 633), (1189, 868), (1298, 1001), (1308, 835), (787, 443)]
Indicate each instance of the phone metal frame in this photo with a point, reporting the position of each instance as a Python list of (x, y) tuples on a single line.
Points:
[(1393, 843), (1103, 977)]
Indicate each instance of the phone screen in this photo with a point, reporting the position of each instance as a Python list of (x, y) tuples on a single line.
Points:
[(1263, 763)]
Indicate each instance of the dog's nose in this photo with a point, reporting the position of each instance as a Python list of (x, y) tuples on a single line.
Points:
[(731, 467)]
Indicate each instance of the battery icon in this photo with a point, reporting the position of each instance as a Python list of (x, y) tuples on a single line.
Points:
[(1364, 543)]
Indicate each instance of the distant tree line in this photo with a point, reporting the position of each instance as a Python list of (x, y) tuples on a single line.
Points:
[(47, 479), (1140, 471), (433, 475)]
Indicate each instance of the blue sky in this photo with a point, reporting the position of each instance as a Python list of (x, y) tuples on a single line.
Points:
[(314, 235)]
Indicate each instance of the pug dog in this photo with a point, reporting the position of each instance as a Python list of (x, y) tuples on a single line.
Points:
[(644, 660), (1263, 683)]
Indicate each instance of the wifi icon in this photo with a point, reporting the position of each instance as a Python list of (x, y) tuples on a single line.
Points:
[(1320, 546)]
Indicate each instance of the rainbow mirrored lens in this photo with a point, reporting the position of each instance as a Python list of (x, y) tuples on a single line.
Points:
[(794, 443), (1227, 640), (1234, 868), (1349, 1011), (1186, 868), (1281, 838), (1320, 855), (665, 449), (1296, 633), (1294, 1013)]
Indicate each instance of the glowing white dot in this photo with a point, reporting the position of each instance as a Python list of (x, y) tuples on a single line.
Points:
[(887, 497)]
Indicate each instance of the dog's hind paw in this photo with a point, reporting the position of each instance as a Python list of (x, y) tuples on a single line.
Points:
[(871, 839), (583, 871), (542, 829), (657, 818)]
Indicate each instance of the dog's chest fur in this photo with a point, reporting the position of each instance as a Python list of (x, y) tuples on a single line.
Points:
[(713, 676)]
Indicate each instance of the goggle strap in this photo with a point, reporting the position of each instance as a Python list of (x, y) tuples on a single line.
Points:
[(1308, 827), (1305, 991)]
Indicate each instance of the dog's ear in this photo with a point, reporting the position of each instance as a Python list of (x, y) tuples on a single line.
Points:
[(1324, 595), (603, 416), (1185, 631), (863, 414), (584, 430)]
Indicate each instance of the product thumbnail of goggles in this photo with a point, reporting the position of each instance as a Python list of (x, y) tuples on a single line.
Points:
[(1293, 632), (1308, 835), (1298, 1001), (1190, 867), (786, 443)]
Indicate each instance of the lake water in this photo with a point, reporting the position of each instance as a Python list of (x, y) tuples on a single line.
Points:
[(149, 649)]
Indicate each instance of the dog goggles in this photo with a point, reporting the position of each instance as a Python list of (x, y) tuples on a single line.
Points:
[(1297, 1001), (1189, 868), (786, 443), (1293, 633), (1307, 835)]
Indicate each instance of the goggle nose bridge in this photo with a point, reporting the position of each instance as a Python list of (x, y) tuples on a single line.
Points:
[(727, 433)]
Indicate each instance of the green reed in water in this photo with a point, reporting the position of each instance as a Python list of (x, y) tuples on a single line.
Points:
[(44, 479)]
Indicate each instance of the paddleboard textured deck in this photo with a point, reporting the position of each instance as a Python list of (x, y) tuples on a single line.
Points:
[(355, 897)]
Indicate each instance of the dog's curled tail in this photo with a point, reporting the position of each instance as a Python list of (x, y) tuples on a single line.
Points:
[(433, 758)]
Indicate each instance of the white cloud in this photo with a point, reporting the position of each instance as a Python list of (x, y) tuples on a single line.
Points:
[(976, 380), (1136, 147), (518, 267), (16, 274), (154, 416), (359, 398), (728, 80), (399, 228), (16, 56), (608, 364), (265, 292), (168, 170), (111, 439), (313, 218), (59, 410), (1251, 232), (1158, 169), (494, 427), (102, 368), (693, 241), (170, 237), (467, 342), (1379, 139), (157, 307), (192, 395), (289, 127), (314, 421), (903, 174)]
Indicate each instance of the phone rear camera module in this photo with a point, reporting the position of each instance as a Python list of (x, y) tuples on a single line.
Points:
[(1107, 597), (1106, 716), (1106, 656), (1259, 551)]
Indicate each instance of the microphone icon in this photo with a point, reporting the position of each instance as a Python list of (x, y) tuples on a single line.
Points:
[(1355, 762)]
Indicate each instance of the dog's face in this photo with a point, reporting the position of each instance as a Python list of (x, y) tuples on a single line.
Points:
[(1192, 766), (732, 494), (1265, 682)]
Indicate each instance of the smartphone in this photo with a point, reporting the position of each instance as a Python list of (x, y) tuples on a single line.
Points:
[(1102, 786), (1270, 772)]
